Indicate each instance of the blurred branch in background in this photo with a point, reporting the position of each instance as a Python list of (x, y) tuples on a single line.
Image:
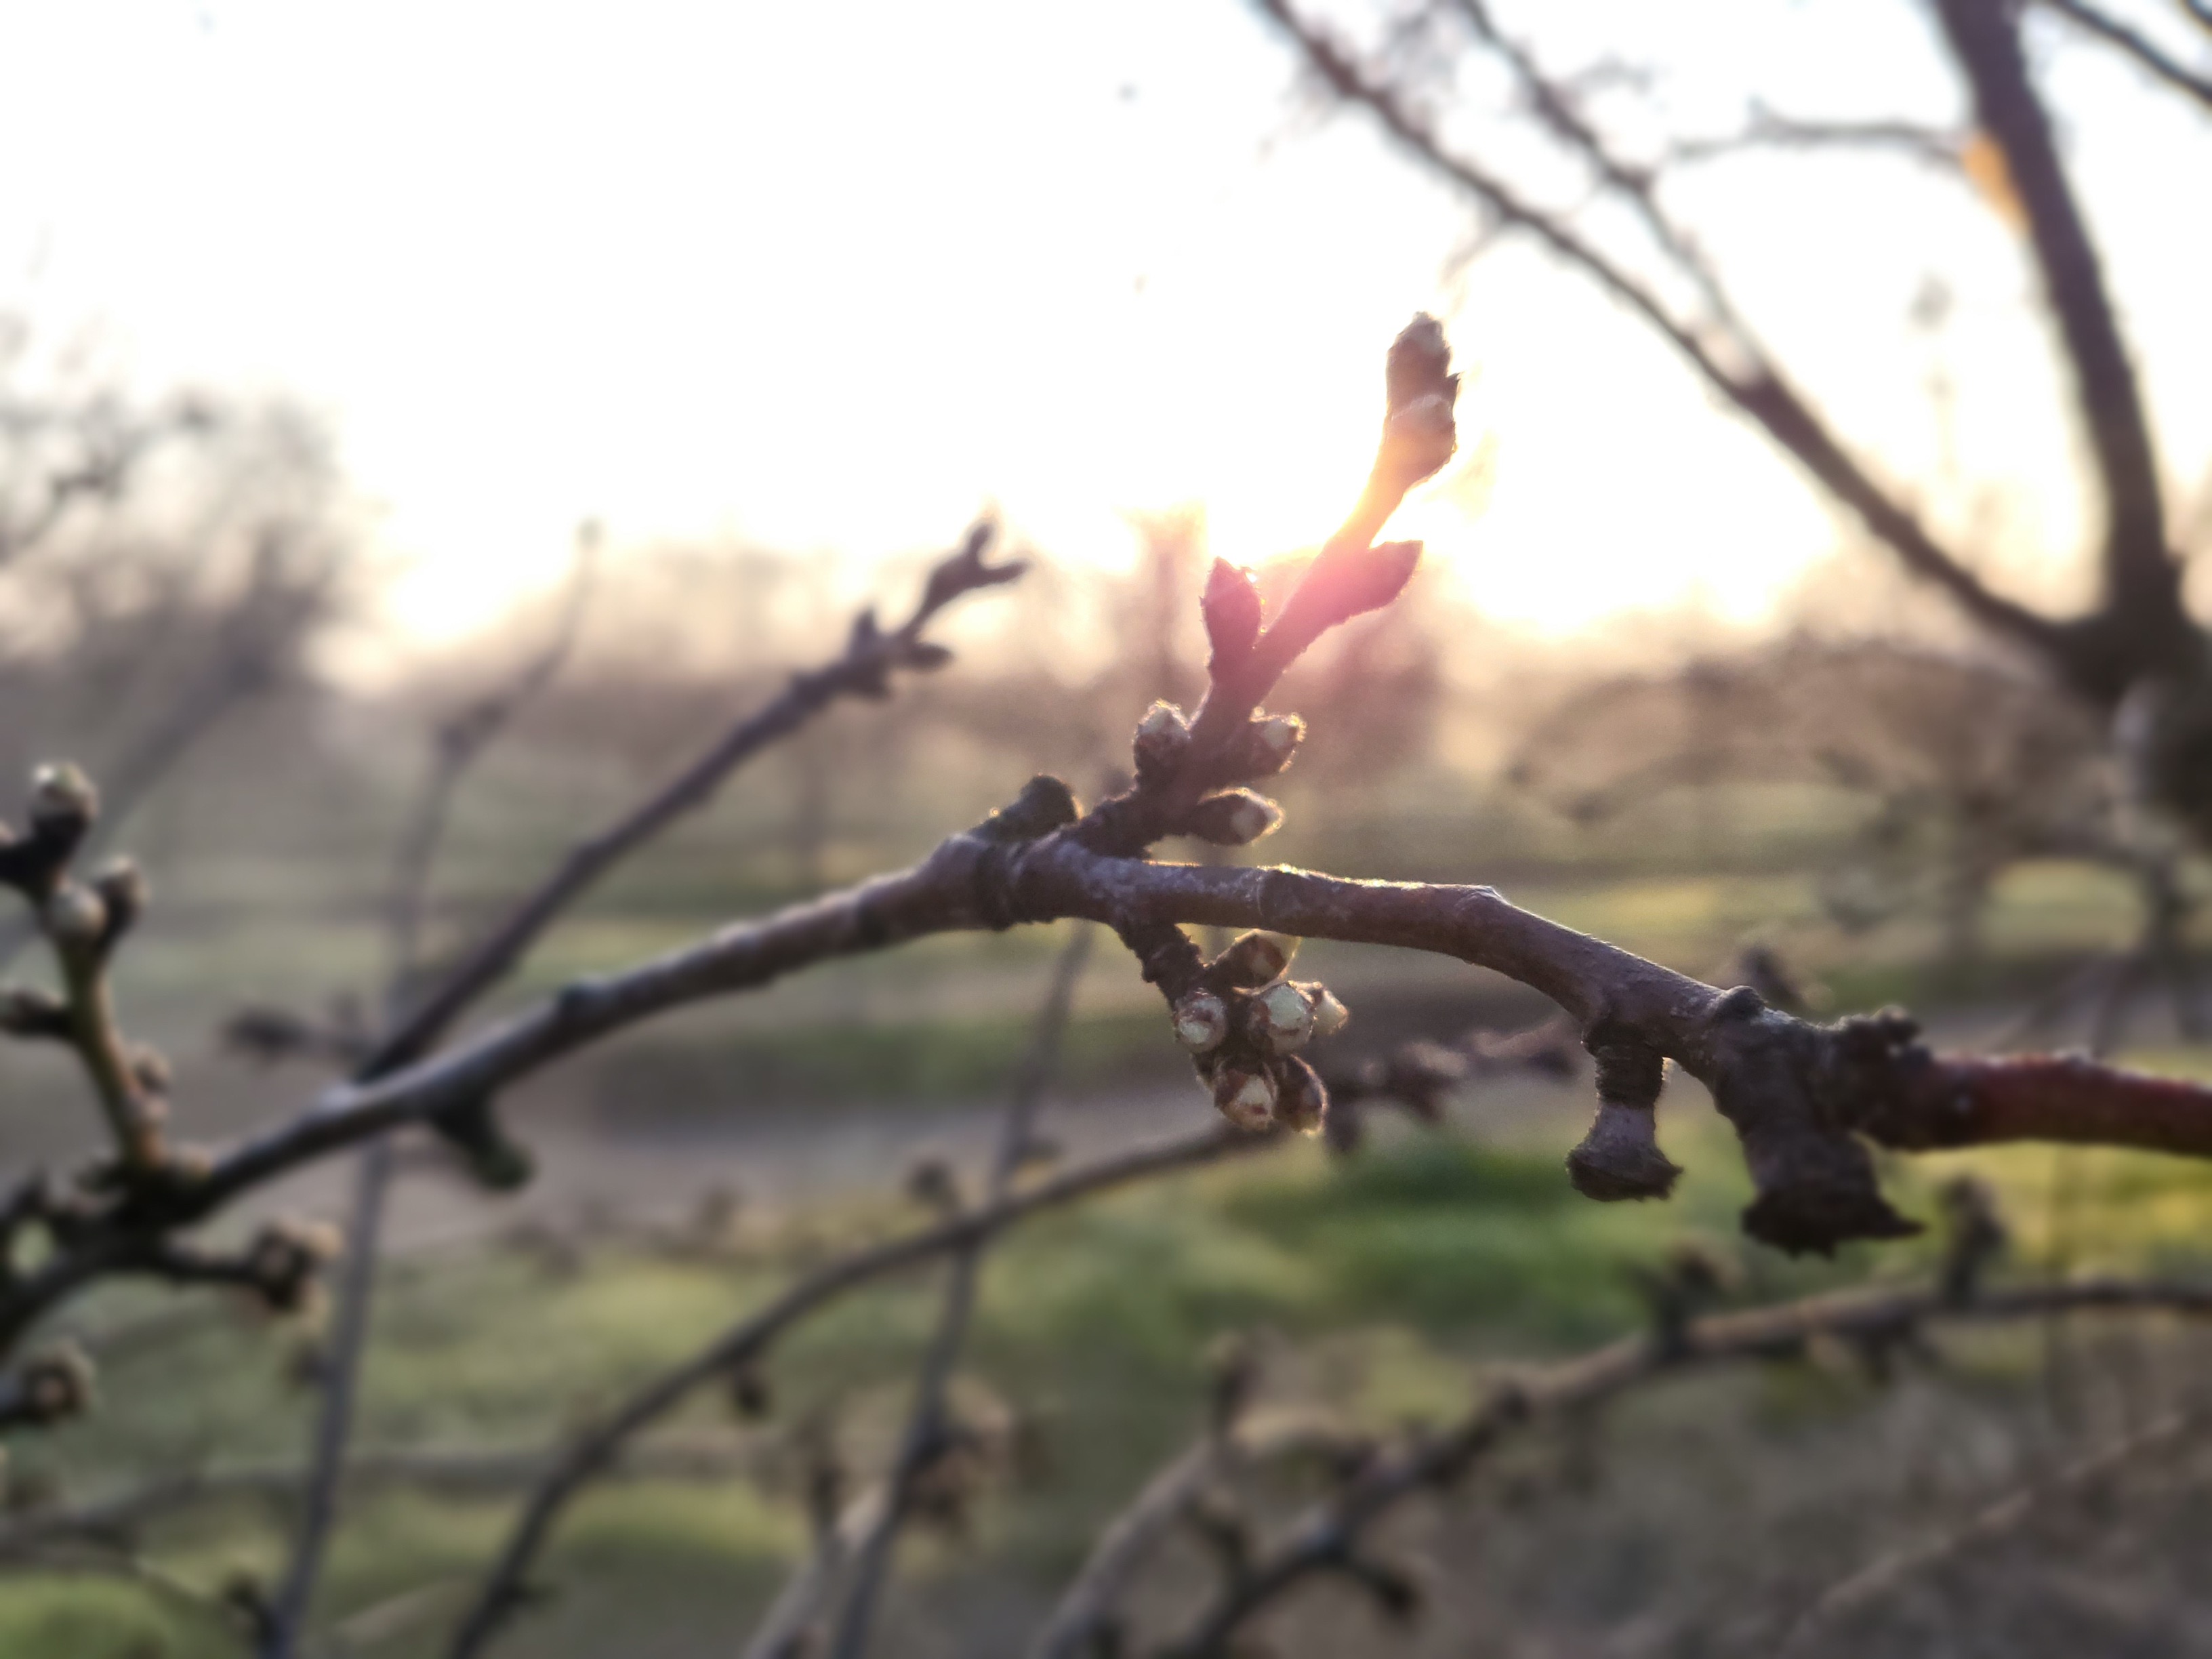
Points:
[(458, 745), (929, 1439), (2137, 640)]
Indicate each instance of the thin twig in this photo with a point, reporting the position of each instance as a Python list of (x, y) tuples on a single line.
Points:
[(743, 1343), (2135, 45), (1086, 1609), (462, 740), (1324, 1539), (924, 1438), (1764, 395), (787, 1629), (2007, 1515)]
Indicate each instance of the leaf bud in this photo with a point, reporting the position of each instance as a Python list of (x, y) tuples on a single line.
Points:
[(75, 919), (123, 888), (1246, 1098), (1232, 610), (1162, 741), (63, 799), (1271, 742), (1201, 1020), (25, 1010), (1235, 817), (1046, 804), (1301, 1097), (1329, 1015), (1253, 959), (1282, 1019), (499, 1164)]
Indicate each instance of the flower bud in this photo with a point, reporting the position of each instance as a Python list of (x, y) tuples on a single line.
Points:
[(1201, 1020), (74, 917), (1253, 959), (1282, 1018), (25, 1011), (1329, 1015), (62, 798), (1162, 741), (1270, 743), (1236, 818), (1301, 1097), (123, 888), (1246, 1098)]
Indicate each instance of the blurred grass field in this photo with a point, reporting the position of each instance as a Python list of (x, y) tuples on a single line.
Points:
[(1384, 1284)]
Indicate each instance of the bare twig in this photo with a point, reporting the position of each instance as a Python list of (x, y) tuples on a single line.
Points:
[(1324, 1539), (110, 449), (162, 1195), (1769, 130), (863, 669), (744, 1343), (926, 1432), (2139, 47), (1762, 394), (1086, 1610), (462, 741), (2142, 591), (788, 1629), (2004, 1516)]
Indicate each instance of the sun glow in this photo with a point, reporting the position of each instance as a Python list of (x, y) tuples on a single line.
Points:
[(832, 279)]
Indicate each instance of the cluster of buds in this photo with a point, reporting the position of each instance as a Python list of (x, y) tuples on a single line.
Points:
[(1228, 816), (84, 919), (1244, 1024)]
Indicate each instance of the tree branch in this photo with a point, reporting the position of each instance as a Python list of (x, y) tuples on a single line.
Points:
[(1762, 394), (2142, 607), (1324, 1540), (2007, 1515), (2140, 48), (863, 669), (924, 1439), (744, 1343), (1084, 1620)]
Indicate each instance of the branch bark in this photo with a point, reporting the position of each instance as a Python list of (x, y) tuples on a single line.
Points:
[(2142, 623)]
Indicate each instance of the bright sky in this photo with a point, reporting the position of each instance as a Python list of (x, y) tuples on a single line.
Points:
[(831, 276)]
